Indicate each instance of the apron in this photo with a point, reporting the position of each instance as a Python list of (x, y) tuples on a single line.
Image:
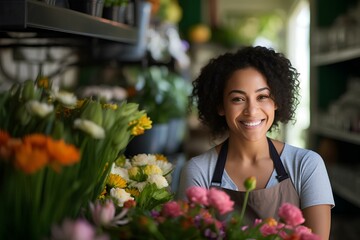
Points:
[(262, 203)]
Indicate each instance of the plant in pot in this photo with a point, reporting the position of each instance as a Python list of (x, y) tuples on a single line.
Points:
[(164, 96)]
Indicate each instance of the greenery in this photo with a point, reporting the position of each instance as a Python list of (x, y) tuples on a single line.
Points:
[(55, 153), (162, 93)]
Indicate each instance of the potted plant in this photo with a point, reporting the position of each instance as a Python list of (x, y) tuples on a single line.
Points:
[(163, 94)]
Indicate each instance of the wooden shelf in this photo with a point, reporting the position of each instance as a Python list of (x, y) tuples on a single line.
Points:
[(336, 56), (30, 15), (336, 134)]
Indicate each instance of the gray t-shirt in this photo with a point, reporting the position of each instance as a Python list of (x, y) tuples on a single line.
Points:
[(306, 170)]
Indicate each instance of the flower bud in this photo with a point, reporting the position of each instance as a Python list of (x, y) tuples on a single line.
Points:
[(250, 183)]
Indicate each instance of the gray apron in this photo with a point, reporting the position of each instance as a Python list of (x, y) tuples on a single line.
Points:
[(262, 203)]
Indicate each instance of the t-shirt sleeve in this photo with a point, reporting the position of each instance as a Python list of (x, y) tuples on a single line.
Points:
[(315, 184), (191, 175)]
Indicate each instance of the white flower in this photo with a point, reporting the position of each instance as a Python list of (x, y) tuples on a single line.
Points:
[(40, 109), (122, 172), (159, 180), (165, 166), (66, 98), (143, 159), (90, 127), (120, 195)]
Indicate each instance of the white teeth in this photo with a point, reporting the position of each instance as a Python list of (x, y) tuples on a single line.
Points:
[(251, 124)]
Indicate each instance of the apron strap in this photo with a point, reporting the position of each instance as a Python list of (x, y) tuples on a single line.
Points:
[(279, 167), (220, 164)]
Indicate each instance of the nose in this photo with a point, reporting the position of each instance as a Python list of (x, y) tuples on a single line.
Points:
[(250, 108)]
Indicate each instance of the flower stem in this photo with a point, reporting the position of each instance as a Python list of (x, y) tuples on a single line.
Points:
[(244, 205)]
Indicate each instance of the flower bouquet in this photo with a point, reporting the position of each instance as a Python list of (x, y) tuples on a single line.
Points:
[(56, 153), (144, 178)]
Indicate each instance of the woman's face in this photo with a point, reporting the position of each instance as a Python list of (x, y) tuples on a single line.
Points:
[(247, 105)]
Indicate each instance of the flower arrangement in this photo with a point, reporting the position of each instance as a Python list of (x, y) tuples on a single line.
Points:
[(207, 214), (56, 152), (144, 178)]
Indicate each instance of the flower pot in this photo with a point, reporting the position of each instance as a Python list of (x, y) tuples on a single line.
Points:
[(176, 134), (151, 142)]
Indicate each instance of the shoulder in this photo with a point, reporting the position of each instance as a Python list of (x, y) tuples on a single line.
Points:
[(300, 156), (205, 160)]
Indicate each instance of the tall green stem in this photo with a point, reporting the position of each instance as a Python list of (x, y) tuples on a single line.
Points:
[(244, 205)]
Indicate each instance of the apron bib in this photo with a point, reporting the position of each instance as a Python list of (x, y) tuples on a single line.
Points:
[(262, 203)]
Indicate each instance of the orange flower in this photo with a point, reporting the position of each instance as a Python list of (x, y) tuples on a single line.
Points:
[(36, 140), (30, 159), (4, 137), (62, 153)]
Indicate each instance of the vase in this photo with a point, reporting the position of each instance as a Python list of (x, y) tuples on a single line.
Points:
[(153, 141)]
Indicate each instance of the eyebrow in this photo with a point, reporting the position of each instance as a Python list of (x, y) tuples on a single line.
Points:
[(242, 92)]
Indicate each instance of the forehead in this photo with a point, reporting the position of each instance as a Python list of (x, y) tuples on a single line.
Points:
[(246, 78)]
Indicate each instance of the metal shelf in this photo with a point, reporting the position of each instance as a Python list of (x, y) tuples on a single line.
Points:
[(30, 15)]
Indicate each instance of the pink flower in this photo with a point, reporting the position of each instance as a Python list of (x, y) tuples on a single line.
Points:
[(309, 236), (104, 214), (305, 233), (267, 230), (197, 195), (76, 230), (220, 200), (291, 214), (171, 209)]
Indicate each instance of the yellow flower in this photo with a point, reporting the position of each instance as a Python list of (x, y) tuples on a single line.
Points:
[(152, 169), (110, 106), (140, 125), (43, 82), (115, 181), (133, 192), (161, 157), (133, 172)]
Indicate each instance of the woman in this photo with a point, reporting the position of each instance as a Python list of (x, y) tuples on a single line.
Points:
[(242, 96)]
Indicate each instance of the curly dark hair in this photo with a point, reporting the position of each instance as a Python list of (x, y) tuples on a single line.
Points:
[(281, 77)]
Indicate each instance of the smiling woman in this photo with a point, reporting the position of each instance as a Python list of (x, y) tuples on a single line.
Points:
[(242, 96)]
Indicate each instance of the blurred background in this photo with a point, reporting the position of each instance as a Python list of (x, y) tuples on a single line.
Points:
[(149, 51)]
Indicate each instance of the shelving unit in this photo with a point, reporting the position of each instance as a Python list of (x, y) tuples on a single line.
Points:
[(330, 73), (35, 16)]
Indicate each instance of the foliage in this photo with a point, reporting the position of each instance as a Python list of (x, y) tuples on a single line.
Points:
[(161, 93)]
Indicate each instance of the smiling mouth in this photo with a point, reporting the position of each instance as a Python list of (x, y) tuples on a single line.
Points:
[(252, 124)]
